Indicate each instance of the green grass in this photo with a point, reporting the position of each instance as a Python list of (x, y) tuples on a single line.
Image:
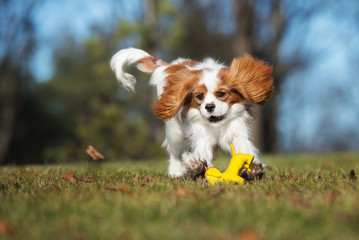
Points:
[(302, 197)]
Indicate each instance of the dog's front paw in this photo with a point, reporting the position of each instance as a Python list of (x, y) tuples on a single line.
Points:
[(257, 173), (195, 169), (175, 168)]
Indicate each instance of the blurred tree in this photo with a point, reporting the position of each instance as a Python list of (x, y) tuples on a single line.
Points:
[(82, 103), (84, 97), (17, 42), (85, 105)]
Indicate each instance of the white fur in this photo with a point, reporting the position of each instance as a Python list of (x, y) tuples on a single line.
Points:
[(158, 79), (189, 134), (121, 60), (210, 80)]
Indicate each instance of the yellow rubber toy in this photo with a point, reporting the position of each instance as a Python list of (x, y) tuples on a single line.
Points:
[(238, 162)]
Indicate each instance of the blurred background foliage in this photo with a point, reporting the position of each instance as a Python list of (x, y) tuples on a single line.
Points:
[(81, 103)]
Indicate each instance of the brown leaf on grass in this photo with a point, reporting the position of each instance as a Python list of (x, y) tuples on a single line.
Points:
[(249, 234), (332, 196), (352, 175), (182, 192), (70, 176), (122, 189), (5, 228), (93, 153)]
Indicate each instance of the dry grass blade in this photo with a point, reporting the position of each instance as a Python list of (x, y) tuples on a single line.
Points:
[(122, 189)]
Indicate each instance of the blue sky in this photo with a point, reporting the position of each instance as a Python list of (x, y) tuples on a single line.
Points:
[(326, 92), (55, 18), (308, 98)]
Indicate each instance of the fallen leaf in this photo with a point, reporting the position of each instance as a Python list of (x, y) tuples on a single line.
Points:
[(182, 192), (93, 153), (332, 196), (5, 228), (70, 176), (352, 175), (249, 234), (122, 189)]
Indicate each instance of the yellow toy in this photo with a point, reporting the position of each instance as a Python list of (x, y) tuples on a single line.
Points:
[(238, 162)]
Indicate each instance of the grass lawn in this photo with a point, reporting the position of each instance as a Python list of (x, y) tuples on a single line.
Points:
[(301, 197)]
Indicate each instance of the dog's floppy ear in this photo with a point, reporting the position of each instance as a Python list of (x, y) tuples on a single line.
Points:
[(252, 78), (177, 91)]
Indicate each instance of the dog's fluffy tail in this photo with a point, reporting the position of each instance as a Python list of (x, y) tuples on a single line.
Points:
[(125, 57)]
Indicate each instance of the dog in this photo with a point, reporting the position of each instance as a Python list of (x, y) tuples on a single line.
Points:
[(203, 105)]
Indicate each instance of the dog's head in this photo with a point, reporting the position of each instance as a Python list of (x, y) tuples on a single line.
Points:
[(208, 90)]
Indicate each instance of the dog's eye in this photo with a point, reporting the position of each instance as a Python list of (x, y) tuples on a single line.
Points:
[(221, 94), (199, 96)]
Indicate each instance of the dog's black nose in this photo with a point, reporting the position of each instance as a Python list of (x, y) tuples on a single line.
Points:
[(210, 107)]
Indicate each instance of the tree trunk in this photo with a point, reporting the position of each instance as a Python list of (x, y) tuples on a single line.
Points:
[(263, 119), (8, 92)]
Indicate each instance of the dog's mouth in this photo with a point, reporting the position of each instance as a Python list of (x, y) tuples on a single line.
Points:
[(216, 119)]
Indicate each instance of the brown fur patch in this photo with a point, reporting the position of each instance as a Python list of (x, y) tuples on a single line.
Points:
[(177, 92), (249, 77), (171, 69), (150, 63), (195, 102), (232, 95), (190, 63)]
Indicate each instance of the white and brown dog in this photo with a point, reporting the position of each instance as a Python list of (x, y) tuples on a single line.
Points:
[(202, 103)]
